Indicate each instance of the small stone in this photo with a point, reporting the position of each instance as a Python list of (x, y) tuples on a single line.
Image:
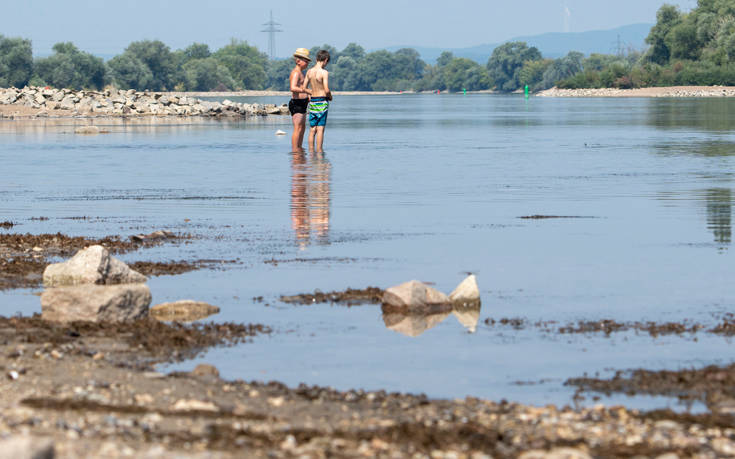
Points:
[(194, 405), (143, 399), (13, 375), (204, 369)]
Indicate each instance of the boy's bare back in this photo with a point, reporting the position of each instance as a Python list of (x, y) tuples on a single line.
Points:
[(319, 80)]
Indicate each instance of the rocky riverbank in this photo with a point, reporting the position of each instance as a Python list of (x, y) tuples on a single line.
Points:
[(92, 390), (673, 91), (37, 102)]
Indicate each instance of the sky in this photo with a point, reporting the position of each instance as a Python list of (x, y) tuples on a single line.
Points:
[(105, 27)]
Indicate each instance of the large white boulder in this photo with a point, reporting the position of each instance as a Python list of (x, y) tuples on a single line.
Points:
[(96, 303), (413, 296), (92, 265)]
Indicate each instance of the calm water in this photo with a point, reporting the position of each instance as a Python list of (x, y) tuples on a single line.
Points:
[(417, 187)]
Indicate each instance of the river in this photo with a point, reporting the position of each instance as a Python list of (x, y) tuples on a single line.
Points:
[(427, 187)]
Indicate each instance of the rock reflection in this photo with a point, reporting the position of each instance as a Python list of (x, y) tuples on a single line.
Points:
[(310, 198), (413, 325), (719, 214)]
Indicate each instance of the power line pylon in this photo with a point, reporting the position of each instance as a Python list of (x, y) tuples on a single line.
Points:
[(271, 27)]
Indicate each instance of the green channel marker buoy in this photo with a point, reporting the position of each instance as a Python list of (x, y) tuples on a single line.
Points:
[(525, 91)]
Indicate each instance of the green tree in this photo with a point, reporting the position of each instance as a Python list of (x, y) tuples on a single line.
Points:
[(69, 67), (563, 68), (462, 73), (667, 17), (197, 51), (160, 62), (532, 73), (278, 72), (16, 62), (353, 51), (246, 64), (206, 75), (507, 61), (345, 75), (444, 59), (129, 72)]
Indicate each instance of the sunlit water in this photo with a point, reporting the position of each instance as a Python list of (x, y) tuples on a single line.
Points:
[(417, 187)]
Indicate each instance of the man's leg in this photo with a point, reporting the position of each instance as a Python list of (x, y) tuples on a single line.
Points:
[(320, 139), (302, 130), (297, 137)]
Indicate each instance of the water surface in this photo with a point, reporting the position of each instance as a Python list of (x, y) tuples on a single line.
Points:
[(426, 187)]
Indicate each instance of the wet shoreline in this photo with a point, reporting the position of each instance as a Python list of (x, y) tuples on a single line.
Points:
[(58, 384)]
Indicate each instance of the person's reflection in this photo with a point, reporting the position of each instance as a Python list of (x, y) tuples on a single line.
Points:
[(414, 324), (719, 214), (310, 198)]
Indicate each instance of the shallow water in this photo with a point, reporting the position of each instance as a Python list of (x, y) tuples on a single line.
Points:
[(417, 187)]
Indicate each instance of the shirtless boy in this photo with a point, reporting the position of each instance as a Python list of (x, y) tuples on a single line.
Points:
[(318, 78), (299, 99)]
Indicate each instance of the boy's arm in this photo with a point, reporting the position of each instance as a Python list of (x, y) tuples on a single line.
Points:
[(326, 85), (306, 83)]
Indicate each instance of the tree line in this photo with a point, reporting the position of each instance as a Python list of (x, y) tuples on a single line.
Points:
[(696, 48)]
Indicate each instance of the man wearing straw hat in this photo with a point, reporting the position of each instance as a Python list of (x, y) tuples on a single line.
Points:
[(299, 99)]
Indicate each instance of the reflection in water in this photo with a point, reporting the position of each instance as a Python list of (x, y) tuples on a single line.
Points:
[(709, 113), (310, 197), (415, 324), (719, 214)]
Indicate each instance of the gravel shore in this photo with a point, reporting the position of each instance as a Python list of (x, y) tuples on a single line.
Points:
[(672, 91), (92, 390)]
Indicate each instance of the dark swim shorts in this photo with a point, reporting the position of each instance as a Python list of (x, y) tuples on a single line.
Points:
[(297, 106)]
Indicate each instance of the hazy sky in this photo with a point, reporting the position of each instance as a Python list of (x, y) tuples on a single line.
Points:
[(106, 27)]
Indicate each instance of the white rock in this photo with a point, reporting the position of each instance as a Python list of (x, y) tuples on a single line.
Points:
[(194, 405), (87, 130), (92, 265), (280, 132), (413, 296), (467, 290), (26, 447), (96, 303)]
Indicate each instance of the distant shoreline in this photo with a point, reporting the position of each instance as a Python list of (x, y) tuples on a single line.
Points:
[(667, 91), (262, 93)]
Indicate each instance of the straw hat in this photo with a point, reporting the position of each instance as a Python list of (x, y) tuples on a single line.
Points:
[(302, 53)]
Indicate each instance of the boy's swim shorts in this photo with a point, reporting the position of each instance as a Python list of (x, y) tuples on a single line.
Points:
[(318, 108)]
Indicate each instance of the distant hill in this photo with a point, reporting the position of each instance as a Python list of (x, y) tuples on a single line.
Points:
[(553, 45)]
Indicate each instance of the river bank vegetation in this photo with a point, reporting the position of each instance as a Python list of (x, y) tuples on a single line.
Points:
[(694, 48)]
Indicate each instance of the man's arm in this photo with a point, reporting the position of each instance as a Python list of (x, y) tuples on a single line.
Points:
[(294, 83)]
